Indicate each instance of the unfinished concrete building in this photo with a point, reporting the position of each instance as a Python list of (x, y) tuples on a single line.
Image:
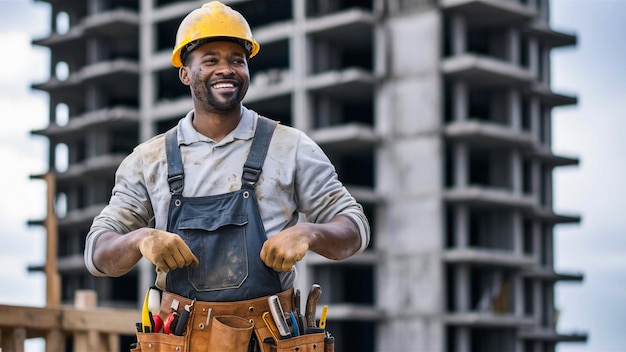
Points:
[(436, 113)]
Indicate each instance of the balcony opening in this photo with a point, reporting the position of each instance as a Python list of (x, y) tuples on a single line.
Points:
[(353, 335), (335, 111), (61, 157), (62, 23), (61, 114), (62, 71), (165, 35), (489, 105), (448, 102), (492, 340), (526, 114), (120, 4), (169, 87), (124, 289), (331, 52), (163, 126), (355, 169), (451, 227), (316, 8), (123, 140), (527, 177), (451, 333), (274, 56), (491, 41), (60, 205), (350, 283), (450, 169), (529, 297), (264, 12), (528, 237), (451, 289), (491, 291), (491, 229), (524, 51), (276, 108), (489, 168)]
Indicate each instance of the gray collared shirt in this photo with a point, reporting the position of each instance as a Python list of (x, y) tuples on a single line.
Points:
[(297, 178)]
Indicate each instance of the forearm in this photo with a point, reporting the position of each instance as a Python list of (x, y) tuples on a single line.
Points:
[(116, 254), (337, 239)]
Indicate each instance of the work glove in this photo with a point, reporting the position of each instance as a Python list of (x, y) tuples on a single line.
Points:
[(166, 250), (283, 250)]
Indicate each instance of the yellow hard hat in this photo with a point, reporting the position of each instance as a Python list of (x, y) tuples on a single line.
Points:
[(213, 20)]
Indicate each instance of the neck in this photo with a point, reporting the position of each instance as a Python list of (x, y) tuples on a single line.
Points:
[(216, 125)]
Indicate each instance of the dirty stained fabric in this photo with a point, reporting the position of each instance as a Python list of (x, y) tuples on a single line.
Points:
[(297, 178)]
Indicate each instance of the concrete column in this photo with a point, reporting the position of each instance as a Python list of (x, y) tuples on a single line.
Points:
[(537, 241), (463, 339), (461, 296), (515, 109), (545, 65), (513, 43), (460, 101), (146, 101), (147, 94), (548, 244), (462, 224), (518, 233), (461, 164), (546, 120), (549, 297), (299, 51), (547, 178), (518, 296), (538, 301), (535, 119), (533, 56), (459, 34), (516, 172), (535, 174)]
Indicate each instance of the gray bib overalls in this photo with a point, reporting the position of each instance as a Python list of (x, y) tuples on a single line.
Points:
[(224, 231)]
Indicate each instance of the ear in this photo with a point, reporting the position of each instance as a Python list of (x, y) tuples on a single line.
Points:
[(183, 75)]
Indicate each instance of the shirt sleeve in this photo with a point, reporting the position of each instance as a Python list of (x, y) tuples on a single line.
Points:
[(320, 194), (129, 207)]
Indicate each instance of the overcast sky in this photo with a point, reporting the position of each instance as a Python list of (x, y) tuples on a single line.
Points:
[(593, 130)]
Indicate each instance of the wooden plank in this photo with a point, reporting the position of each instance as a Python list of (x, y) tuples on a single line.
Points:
[(55, 341), (106, 321), (30, 317)]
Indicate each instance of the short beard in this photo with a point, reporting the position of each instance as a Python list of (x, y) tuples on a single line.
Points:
[(207, 96)]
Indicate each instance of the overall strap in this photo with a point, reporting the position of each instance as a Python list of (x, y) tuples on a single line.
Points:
[(175, 173), (258, 151)]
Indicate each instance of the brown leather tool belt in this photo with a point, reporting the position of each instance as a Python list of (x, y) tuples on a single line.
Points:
[(202, 313), (226, 326)]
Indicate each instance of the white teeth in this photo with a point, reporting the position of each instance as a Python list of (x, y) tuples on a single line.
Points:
[(223, 85)]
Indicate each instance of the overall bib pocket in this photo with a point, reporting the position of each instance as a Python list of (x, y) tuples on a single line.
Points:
[(222, 240)]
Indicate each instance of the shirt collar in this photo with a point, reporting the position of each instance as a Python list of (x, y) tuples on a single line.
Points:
[(187, 134)]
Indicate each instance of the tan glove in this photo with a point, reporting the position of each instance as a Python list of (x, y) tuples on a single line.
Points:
[(283, 250), (167, 250)]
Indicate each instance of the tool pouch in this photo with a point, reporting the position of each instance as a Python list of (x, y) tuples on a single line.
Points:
[(230, 333), (303, 343), (157, 342)]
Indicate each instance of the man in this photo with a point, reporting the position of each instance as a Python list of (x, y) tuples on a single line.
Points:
[(216, 229)]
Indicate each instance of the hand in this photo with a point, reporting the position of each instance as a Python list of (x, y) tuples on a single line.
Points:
[(166, 250), (281, 251)]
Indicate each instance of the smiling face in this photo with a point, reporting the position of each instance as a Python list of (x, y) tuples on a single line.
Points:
[(218, 75)]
